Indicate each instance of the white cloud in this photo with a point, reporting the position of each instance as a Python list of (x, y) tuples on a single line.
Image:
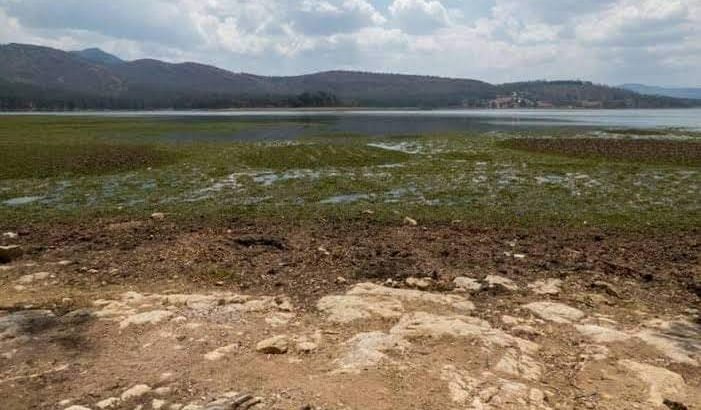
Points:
[(419, 16), (656, 41)]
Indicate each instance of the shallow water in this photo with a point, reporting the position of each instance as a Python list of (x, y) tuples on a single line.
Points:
[(383, 123)]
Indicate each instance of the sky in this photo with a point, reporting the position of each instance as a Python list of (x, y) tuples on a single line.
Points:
[(655, 42)]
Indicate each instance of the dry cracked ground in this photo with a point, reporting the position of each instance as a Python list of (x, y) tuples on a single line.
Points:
[(531, 322)]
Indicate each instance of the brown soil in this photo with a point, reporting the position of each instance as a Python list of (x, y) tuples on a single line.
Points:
[(656, 274)]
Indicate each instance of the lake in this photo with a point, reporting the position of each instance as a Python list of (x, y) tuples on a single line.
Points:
[(398, 122)]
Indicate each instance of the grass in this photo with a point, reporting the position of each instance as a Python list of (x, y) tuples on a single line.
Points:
[(84, 168), (648, 151)]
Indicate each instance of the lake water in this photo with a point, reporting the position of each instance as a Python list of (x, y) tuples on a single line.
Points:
[(385, 122)]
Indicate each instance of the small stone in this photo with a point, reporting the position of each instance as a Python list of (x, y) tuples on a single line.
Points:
[(546, 287), (465, 283), (64, 263), (158, 216), (158, 404), (600, 334), (341, 280), (108, 403), (324, 251), (307, 347), (136, 391), (607, 287), (496, 281), (152, 317), (162, 391), (10, 235), (410, 221), (10, 253), (273, 345), (76, 407), (418, 283), (555, 312)]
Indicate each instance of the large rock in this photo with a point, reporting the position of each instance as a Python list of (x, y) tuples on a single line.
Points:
[(422, 324), (10, 253), (555, 312), (346, 308), (367, 300), (365, 350), (679, 340), (662, 384)]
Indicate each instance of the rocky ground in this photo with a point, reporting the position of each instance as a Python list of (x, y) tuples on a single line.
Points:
[(154, 315)]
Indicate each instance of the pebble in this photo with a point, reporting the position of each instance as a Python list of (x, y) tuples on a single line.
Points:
[(410, 221), (158, 216), (108, 403), (76, 407), (10, 235)]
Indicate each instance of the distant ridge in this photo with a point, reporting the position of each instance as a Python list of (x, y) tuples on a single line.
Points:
[(98, 56), (693, 93), (37, 77)]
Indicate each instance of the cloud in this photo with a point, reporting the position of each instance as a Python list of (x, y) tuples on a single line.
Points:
[(655, 41), (419, 16)]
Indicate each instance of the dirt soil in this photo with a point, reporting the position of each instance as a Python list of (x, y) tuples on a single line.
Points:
[(129, 314)]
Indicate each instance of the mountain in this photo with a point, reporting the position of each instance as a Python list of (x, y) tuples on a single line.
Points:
[(95, 55), (36, 77), (693, 93)]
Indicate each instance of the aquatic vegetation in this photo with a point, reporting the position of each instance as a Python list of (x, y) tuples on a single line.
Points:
[(486, 178)]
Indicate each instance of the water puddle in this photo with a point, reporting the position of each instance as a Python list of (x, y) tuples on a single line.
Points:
[(345, 199), (22, 200)]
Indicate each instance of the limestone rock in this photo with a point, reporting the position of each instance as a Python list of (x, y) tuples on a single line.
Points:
[(307, 347), (677, 339), (344, 309), (500, 282), (273, 345), (108, 403), (422, 324), (662, 383), (136, 391), (546, 287), (555, 312), (465, 283), (219, 353), (158, 404), (153, 317), (77, 407), (365, 350), (515, 363), (600, 334), (418, 283)]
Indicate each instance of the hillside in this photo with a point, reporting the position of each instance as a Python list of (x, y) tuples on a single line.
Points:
[(694, 93), (35, 77)]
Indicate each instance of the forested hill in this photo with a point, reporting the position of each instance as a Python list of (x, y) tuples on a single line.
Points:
[(35, 77)]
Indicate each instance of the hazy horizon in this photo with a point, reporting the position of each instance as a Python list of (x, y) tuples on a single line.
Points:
[(651, 42)]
